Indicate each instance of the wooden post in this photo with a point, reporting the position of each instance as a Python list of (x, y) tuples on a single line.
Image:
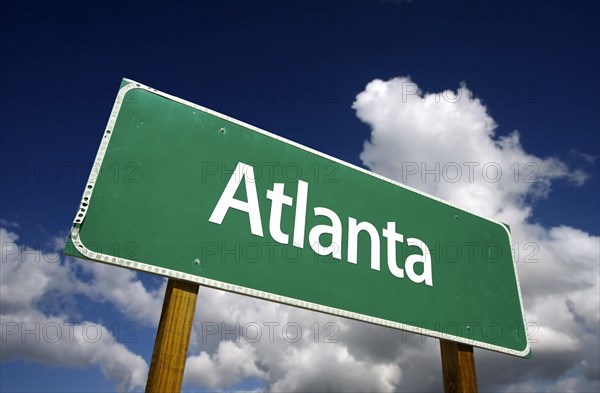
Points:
[(173, 337), (458, 367)]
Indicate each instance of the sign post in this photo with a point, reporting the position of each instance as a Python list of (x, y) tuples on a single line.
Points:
[(458, 367), (196, 196), (172, 337)]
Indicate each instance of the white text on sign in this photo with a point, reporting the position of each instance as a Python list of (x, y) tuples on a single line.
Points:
[(279, 200)]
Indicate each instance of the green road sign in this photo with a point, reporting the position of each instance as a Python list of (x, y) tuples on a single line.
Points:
[(184, 192)]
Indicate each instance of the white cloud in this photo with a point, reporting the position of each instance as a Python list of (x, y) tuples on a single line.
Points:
[(317, 367), (290, 349), (231, 363), (445, 144), (8, 224), (415, 132), (586, 157), (36, 288), (125, 291), (54, 341)]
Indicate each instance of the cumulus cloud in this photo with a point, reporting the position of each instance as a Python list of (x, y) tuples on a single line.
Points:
[(446, 144), (289, 349), (37, 288), (332, 368), (123, 289), (232, 362)]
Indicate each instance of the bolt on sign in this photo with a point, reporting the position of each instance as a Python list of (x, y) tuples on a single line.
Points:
[(184, 192)]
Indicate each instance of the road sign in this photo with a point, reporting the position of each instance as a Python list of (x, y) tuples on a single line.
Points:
[(184, 192)]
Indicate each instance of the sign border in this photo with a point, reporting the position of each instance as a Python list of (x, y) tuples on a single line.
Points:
[(136, 265)]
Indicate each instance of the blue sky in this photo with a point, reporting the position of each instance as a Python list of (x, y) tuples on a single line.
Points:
[(295, 69)]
